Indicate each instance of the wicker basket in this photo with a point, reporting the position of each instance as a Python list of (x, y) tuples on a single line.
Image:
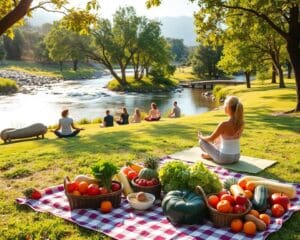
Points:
[(222, 219), (155, 190), (93, 201)]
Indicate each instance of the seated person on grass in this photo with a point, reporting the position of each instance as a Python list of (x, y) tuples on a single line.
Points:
[(137, 117), (176, 112), (108, 120), (223, 145), (123, 117), (154, 114), (66, 124)]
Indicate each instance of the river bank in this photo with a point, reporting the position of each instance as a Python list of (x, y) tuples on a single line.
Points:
[(44, 163)]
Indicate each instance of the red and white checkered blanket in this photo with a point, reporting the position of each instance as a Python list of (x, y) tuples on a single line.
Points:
[(127, 223)]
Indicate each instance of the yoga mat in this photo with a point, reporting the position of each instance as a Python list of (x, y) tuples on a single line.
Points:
[(245, 164)]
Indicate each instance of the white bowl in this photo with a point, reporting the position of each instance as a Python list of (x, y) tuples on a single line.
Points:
[(131, 198)]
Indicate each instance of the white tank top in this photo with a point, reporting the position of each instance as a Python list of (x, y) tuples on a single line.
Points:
[(230, 146)]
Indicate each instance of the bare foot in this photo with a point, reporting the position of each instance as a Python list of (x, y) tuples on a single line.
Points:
[(206, 156)]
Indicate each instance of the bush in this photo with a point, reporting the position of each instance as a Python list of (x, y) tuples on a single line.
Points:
[(8, 85), (97, 120), (84, 121), (220, 92)]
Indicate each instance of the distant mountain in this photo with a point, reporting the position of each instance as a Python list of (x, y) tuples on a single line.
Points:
[(179, 27), (172, 27)]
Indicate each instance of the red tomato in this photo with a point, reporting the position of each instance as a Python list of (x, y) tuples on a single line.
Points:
[(239, 208), (229, 198), (103, 190), (93, 189), (132, 174), (149, 183), (72, 186), (213, 200), (277, 210)]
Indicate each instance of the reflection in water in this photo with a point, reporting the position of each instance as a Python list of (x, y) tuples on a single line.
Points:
[(89, 99)]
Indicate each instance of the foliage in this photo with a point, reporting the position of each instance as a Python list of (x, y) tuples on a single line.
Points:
[(174, 175), (220, 92), (179, 50), (14, 47), (2, 50), (84, 121), (265, 136), (7, 85), (201, 176), (104, 171), (204, 62)]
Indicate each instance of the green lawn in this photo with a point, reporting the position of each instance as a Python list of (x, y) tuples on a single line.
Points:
[(51, 70), (46, 162)]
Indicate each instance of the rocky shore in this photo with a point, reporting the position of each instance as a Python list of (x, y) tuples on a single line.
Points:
[(28, 82)]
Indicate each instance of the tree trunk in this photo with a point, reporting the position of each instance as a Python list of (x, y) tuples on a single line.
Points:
[(75, 65), (123, 77), (273, 74), (281, 78), (289, 69), (293, 47), (61, 65), (15, 15), (247, 75)]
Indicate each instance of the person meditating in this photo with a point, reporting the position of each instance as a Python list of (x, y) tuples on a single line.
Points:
[(223, 145), (108, 120), (123, 117), (137, 117), (66, 124), (176, 112), (154, 114)]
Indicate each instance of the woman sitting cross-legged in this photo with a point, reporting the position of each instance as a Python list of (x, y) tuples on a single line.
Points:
[(223, 145), (123, 117), (137, 117), (154, 114), (66, 124)]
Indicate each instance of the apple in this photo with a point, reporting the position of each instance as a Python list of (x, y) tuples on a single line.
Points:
[(222, 192), (93, 189), (115, 186), (228, 197), (241, 199), (281, 199), (239, 208), (277, 210)]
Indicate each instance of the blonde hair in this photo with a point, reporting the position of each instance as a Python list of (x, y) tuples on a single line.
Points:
[(137, 112), (237, 111)]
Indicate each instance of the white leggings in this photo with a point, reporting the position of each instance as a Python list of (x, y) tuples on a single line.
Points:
[(216, 155)]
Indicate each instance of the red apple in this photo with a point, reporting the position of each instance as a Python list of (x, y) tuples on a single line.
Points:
[(223, 191), (93, 189), (277, 210), (281, 199), (228, 197), (241, 199), (115, 186), (239, 208)]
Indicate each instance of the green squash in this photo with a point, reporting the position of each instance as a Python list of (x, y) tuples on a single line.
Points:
[(184, 207), (148, 174), (260, 198)]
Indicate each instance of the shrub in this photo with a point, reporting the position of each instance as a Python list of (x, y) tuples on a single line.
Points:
[(84, 121), (8, 85), (97, 120), (220, 92)]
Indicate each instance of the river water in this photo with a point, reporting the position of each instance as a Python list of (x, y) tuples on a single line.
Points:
[(89, 99)]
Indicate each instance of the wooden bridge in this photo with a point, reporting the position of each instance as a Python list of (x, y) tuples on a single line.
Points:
[(209, 84)]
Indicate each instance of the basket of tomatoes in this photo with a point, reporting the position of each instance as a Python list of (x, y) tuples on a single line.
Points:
[(226, 205), (86, 192)]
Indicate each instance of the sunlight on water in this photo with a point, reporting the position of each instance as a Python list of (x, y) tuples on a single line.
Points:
[(88, 99)]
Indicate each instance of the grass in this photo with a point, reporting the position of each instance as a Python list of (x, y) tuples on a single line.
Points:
[(7, 85), (43, 163), (51, 70), (185, 74), (144, 85)]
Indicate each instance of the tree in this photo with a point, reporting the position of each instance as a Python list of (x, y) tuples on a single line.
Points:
[(64, 44), (14, 47), (2, 50), (280, 15), (178, 49), (204, 61), (13, 11)]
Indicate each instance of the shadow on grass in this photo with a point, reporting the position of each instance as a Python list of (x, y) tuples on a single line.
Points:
[(281, 97)]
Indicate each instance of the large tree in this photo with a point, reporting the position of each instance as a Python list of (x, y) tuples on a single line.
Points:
[(281, 15), (12, 13)]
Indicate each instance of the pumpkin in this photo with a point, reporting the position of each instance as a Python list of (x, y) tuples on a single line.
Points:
[(184, 207), (148, 174)]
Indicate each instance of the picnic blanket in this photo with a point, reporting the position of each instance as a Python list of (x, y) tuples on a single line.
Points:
[(125, 223), (245, 164)]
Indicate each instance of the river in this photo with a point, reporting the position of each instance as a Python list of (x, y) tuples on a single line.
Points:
[(89, 99)]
